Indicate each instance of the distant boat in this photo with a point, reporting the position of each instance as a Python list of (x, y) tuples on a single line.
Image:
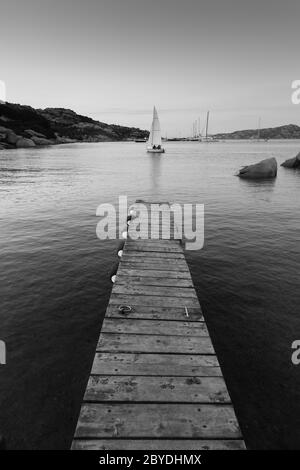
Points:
[(207, 138), (154, 141), (258, 137), (140, 141)]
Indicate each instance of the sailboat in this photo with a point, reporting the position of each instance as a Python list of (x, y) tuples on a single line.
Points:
[(207, 138), (154, 141), (258, 137)]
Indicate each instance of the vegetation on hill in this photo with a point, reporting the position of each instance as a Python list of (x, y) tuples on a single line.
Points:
[(289, 131), (24, 126)]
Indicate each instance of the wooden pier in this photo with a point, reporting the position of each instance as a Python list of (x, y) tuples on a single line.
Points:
[(155, 383)]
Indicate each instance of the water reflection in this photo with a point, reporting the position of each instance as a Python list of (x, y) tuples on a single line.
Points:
[(264, 184), (155, 172)]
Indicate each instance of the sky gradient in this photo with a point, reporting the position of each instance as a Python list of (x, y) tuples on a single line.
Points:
[(114, 59)]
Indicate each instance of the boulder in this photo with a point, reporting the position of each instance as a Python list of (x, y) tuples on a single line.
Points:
[(24, 143), (41, 141), (32, 133), (292, 162), (264, 169), (12, 138)]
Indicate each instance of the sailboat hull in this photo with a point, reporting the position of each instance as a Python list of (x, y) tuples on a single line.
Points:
[(156, 150)]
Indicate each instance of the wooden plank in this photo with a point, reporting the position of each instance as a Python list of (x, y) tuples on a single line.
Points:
[(160, 255), (157, 420), (152, 246), (159, 223), (168, 389), (122, 270), (154, 344), (179, 264), (152, 300), (152, 281), (150, 327), (137, 265), (158, 444), (172, 328), (168, 244), (156, 313), (156, 364), (132, 289)]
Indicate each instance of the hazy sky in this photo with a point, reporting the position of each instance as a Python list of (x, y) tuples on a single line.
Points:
[(114, 59)]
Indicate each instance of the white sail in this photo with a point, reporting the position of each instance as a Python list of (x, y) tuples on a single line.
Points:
[(155, 134)]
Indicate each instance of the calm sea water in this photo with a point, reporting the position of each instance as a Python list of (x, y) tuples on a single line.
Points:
[(54, 277)]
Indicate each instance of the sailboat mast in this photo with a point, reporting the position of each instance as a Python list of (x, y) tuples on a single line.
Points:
[(207, 117), (258, 131)]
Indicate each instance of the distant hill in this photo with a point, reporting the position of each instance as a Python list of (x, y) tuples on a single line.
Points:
[(24, 126), (289, 131)]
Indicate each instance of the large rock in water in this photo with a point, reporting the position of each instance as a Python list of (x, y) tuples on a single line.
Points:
[(264, 169), (292, 162)]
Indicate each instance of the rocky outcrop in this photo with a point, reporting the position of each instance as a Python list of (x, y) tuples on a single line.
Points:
[(27, 127), (264, 169), (292, 162)]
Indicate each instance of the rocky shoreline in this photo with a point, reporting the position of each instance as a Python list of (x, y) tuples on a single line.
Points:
[(25, 127)]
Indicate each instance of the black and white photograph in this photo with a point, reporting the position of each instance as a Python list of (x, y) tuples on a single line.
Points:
[(149, 229)]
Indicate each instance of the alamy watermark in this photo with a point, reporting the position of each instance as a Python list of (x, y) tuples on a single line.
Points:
[(153, 221), (296, 354)]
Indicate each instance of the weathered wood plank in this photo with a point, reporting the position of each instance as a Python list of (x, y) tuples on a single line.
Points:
[(156, 364), (153, 246), (156, 313), (152, 300), (156, 236), (153, 243), (179, 264), (161, 223), (154, 344), (151, 327), (149, 273), (137, 265), (151, 255), (152, 281), (156, 389), (157, 420), (132, 289), (158, 444)]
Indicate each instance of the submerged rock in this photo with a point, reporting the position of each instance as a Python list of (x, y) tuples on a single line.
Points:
[(292, 162), (264, 169)]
